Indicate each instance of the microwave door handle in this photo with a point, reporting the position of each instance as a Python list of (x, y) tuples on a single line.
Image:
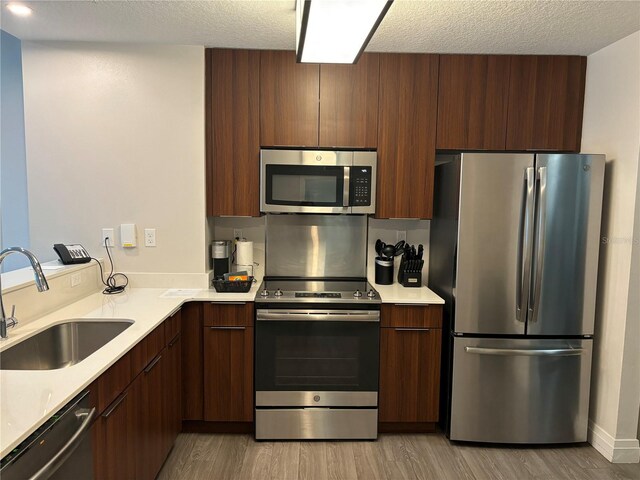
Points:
[(345, 190)]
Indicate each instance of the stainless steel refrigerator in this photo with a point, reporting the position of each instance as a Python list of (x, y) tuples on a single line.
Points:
[(514, 252)]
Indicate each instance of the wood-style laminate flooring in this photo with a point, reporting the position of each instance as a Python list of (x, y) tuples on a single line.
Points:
[(415, 456)]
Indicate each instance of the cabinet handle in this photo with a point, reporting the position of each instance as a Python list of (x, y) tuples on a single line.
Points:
[(116, 403), (227, 328), (412, 329), (152, 364), (175, 340), (412, 304), (228, 303)]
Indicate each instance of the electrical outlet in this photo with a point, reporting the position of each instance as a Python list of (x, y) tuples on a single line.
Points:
[(149, 237), (237, 233), (108, 232), (76, 279), (401, 235)]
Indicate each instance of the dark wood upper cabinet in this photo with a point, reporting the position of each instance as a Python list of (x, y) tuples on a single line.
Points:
[(233, 132), (473, 96), (289, 94), (546, 97), (407, 112), (349, 103)]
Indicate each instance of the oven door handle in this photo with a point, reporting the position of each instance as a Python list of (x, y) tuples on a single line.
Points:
[(319, 316)]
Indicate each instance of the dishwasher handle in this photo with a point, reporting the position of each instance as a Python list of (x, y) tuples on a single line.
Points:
[(72, 444)]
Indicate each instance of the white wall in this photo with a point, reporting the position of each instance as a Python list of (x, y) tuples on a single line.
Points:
[(115, 134), (612, 126)]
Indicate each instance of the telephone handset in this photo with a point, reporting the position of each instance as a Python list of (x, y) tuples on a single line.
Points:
[(71, 254)]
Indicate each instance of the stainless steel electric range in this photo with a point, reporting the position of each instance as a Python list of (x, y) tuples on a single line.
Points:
[(317, 338), (316, 370)]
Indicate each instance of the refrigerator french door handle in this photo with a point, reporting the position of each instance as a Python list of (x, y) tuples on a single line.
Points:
[(527, 352), (534, 292), (525, 242)]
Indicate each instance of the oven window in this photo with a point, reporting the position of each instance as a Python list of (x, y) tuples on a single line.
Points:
[(304, 185), (318, 356)]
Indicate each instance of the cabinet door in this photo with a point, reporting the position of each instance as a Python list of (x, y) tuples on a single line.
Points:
[(172, 388), (115, 436), (472, 102), (233, 132), (228, 314), (151, 412), (192, 361), (228, 374), (349, 103), (546, 97), (289, 93), (407, 111), (409, 374)]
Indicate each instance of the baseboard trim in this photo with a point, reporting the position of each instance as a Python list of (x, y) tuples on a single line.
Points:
[(402, 427), (616, 450), (200, 426)]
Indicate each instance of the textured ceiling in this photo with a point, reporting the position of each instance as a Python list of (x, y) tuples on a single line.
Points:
[(472, 26)]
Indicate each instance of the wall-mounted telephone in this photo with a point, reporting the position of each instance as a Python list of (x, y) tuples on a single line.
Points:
[(71, 254)]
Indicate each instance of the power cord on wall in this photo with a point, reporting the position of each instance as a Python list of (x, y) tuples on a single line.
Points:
[(111, 285)]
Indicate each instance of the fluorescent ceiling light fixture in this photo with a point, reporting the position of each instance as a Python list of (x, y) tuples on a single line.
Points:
[(19, 9), (336, 31)]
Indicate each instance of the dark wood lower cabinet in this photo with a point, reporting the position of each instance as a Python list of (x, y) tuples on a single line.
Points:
[(173, 389), (409, 376), (115, 433), (135, 432), (151, 415), (228, 374)]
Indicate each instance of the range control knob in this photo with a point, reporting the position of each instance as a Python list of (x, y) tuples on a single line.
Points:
[(357, 294), (264, 293), (371, 293), (278, 293)]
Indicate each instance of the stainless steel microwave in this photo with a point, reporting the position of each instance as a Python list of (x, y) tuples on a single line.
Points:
[(318, 181)]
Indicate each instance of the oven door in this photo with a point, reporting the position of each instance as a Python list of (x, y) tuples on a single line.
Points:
[(317, 359)]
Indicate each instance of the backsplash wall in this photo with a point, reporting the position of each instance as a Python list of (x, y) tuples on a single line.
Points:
[(417, 231)]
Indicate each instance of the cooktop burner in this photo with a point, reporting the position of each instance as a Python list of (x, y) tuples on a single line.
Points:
[(275, 290)]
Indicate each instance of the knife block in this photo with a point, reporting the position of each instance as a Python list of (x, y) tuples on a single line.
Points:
[(410, 278)]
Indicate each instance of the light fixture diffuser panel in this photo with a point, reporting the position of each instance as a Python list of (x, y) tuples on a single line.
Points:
[(336, 31)]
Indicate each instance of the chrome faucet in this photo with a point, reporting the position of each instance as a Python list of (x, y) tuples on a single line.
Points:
[(41, 283)]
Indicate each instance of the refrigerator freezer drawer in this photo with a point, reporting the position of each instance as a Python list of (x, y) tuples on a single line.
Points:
[(520, 391)]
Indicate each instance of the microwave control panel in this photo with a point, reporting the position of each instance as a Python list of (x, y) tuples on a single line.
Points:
[(360, 186)]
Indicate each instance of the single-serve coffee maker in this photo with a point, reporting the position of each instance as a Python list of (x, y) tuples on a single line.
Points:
[(221, 252)]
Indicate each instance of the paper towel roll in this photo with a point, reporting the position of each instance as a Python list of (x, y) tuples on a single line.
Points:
[(244, 252)]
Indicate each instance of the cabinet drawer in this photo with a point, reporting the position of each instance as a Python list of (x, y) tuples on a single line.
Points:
[(111, 383), (147, 349), (172, 326), (414, 316), (228, 314)]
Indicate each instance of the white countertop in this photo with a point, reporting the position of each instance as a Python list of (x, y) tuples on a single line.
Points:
[(29, 398), (396, 293)]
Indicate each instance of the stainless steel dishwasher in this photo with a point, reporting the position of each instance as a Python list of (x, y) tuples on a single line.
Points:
[(59, 450)]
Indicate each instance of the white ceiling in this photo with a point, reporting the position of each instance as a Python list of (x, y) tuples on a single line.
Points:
[(471, 26)]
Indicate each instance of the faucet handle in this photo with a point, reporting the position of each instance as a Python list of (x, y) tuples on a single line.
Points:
[(12, 321)]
